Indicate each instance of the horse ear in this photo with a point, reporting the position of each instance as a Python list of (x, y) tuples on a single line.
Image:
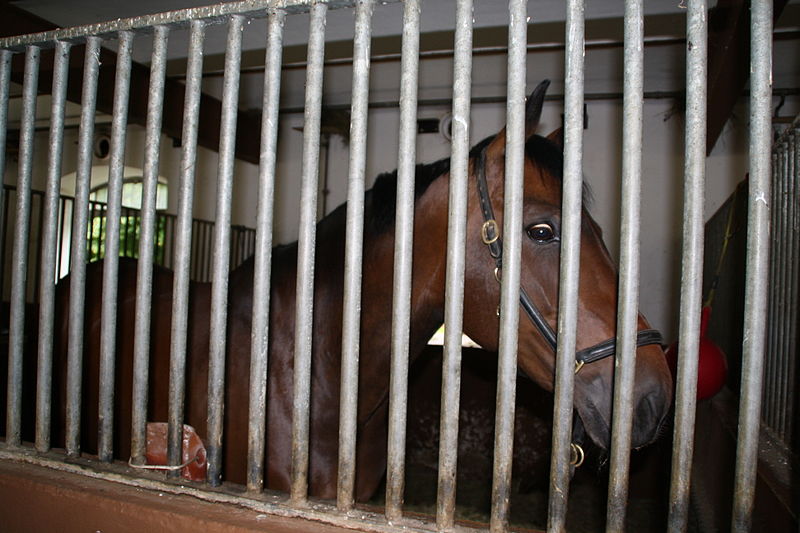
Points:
[(557, 137), (533, 108)]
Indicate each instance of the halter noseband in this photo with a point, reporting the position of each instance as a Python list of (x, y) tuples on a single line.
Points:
[(490, 234)]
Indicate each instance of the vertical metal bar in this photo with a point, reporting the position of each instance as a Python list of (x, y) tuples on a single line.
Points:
[(570, 265), (757, 261), (5, 81), (785, 208), (692, 263), (772, 299), (351, 322), (108, 322), (19, 261), (222, 248), (403, 249), (78, 250), (628, 307), (305, 255), (49, 248), (183, 245), (773, 354), (512, 249), (456, 253), (144, 266), (263, 254), (794, 287)]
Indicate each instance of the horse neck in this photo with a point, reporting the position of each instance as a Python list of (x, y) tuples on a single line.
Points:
[(427, 299)]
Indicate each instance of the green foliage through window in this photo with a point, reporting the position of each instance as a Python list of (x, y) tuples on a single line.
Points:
[(129, 233)]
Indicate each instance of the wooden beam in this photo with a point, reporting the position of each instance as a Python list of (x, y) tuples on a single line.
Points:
[(728, 60), (15, 21)]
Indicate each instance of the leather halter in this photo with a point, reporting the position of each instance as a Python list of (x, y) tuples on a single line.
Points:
[(490, 234)]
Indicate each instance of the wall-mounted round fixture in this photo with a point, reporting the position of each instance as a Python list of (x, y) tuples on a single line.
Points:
[(102, 146)]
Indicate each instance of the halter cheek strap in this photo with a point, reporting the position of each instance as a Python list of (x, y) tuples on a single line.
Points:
[(490, 235)]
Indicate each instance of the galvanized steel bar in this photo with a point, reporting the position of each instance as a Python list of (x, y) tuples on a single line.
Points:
[(304, 306), (108, 323), (216, 13), (570, 265), (5, 81), (403, 249), (263, 253), (628, 300), (222, 249), (769, 413), (19, 258), (512, 250), (144, 265), (78, 251), (183, 246), (786, 208), (44, 369), (351, 321), (456, 260), (757, 261), (776, 296), (794, 286), (692, 263)]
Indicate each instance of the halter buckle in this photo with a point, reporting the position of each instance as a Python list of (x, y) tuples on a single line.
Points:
[(490, 226), (579, 365), (576, 455)]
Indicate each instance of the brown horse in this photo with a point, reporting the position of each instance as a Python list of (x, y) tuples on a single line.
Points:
[(540, 267)]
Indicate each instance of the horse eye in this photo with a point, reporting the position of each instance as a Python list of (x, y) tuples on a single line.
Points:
[(542, 232)]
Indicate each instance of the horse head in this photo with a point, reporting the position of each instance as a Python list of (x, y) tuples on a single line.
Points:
[(597, 298)]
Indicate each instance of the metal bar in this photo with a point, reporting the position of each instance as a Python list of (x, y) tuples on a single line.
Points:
[(628, 306), (44, 372), (304, 306), (512, 250), (263, 253), (692, 263), (794, 288), (213, 14), (183, 247), (774, 355), (351, 321), (456, 260), (775, 296), (772, 298), (757, 262), (62, 220), (19, 259), (785, 210), (403, 249), (108, 322), (222, 249), (80, 213), (6, 202), (570, 265), (5, 81), (144, 266)]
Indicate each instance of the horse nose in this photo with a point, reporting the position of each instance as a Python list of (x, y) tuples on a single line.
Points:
[(649, 416)]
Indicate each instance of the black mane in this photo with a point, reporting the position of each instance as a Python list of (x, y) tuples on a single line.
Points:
[(384, 193)]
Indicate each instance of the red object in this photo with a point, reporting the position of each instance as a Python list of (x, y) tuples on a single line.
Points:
[(712, 368), (193, 452)]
